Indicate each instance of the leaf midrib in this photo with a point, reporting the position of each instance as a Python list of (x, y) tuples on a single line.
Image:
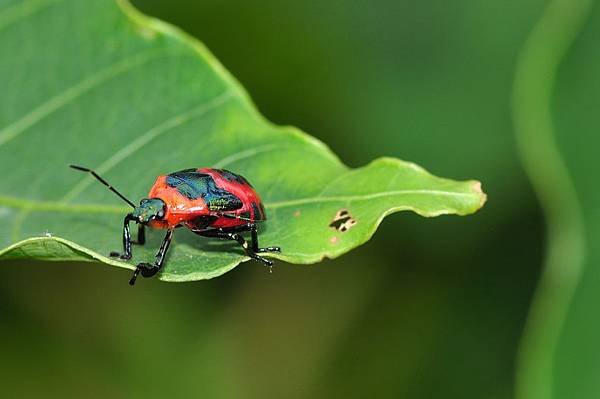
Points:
[(60, 206)]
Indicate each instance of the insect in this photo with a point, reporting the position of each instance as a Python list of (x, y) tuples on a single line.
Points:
[(210, 202)]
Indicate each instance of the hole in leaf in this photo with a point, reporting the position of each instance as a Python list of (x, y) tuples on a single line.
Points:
[(342, 221)]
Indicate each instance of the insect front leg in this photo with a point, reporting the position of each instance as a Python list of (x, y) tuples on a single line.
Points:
[(149, 270), (141, 238), (126, 239)]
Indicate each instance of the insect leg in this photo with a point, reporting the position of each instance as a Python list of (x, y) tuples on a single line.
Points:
[(126, 239), (249, 251), (148, 270), (141, 238), (218, 233), (255, 248)]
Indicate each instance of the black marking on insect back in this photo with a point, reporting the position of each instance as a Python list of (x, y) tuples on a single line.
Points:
[(256, 212), (202, 222), (342, 221), (223, 201), (194, 185), (190, 183), (232, 177), (263, 214)]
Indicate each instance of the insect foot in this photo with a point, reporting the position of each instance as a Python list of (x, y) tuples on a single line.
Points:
[(264, 261), (269, 249), (118, 255), (145, 269)]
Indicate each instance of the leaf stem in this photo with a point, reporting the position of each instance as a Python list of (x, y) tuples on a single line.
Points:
[(535, 76)]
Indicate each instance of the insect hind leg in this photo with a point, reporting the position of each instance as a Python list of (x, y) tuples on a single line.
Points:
[(235, 236), (255, 248)]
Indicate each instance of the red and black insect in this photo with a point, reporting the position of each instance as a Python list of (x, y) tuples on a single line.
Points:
[(210, 202)]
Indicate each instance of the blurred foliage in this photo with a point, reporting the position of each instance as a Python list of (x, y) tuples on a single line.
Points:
[(535, 79), (397, 317), (577, 363)]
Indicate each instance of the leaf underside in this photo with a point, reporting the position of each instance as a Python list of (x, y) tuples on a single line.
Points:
[(98, 84)]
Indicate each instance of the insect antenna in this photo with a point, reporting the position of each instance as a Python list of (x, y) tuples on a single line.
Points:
[(101, 180)]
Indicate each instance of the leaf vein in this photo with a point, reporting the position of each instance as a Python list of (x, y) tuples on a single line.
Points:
[(13, 14), (364, 197), (66, 96), (145, 138), (248, 153)]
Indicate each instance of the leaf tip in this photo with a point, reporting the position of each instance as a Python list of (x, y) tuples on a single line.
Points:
[(476, 187)]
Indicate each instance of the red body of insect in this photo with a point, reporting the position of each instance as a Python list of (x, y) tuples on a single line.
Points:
[(212, 203), (183, 210)]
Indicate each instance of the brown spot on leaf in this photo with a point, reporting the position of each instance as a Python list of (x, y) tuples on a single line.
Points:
[(297, 214), (482, 196), (342, 221), (146, 33), (333, 240)]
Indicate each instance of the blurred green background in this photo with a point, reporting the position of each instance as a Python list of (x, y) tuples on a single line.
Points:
[(429, 308)]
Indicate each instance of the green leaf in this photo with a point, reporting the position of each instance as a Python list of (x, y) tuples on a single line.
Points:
[(98, 84)]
